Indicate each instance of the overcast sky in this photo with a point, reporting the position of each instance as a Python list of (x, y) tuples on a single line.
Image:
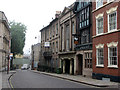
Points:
[(34, 14)]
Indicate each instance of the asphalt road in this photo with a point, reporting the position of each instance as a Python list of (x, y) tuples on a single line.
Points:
[(28, 79)]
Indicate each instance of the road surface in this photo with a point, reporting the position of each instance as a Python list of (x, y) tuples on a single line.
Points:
[(29, 79)]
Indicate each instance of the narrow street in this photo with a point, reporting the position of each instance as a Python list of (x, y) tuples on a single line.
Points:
[(28, 79)]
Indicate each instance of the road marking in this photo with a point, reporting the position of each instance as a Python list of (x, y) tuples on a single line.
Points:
[(11, 83)]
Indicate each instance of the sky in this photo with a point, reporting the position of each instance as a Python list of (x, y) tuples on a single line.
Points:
[(34, 14)]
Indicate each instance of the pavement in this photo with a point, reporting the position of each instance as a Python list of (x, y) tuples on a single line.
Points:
[(81, 79), (4, 79)]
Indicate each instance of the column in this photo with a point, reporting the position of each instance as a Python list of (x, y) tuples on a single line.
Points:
[(75, 65), (70, 66), (63, 66)]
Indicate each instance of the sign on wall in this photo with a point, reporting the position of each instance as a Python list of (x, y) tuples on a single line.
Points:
[(47, 44)]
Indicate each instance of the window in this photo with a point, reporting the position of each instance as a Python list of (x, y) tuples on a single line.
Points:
[(100, 61), (73, 32), (112, 21), (84, 18), (84, 36), (67, 38), (56, 29), (62, 38), (53, 47), (112, 56), (53, 30), (88, 60), (56, 46), (99, 3), (56, 63), (99, 25)]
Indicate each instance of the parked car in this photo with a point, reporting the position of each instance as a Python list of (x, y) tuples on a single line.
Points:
[(25, 66)]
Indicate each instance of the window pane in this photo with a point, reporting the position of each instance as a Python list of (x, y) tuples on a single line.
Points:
[(112, 21), (113, 55), (100, 56)]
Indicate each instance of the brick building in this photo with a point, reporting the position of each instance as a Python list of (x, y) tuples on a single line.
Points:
[(4, 41), (106, 40)]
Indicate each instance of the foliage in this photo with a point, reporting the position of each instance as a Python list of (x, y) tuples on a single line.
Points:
[(18, 32)]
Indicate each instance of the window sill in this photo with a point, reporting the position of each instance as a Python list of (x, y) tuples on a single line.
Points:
[(99, 34), (114, 30), (109, 32), (101, 66), (113, 67)]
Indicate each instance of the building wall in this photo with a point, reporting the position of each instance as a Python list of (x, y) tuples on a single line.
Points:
[(105, 38), (67, 55), (50, 34), (4, 40), (36, 53)]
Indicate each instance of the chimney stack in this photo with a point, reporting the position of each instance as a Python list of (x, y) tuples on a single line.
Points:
[(57, 14)]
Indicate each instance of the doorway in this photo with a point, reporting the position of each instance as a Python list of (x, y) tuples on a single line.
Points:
[(67, 66), (80, 64)]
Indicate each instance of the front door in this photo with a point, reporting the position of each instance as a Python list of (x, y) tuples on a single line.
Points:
[(67, 66), (80, 64)]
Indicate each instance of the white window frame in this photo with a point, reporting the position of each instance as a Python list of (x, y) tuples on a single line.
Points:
[(114, 66), (97, 26), (99, 65), (109, 1), (108, 22), (97, 4)]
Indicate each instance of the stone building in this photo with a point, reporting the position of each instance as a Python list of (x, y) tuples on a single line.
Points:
[(106, 40), (4, 41), (66, 43), (36, 54), (50, 43), (83, 12)]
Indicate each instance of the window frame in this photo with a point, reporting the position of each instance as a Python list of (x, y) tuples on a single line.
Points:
[(97, 64), (108, 22), (99, 5), (114, 66), (97, 26)]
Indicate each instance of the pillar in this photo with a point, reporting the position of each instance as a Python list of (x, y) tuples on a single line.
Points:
[(70, 66), (63, 66), (75, 65)]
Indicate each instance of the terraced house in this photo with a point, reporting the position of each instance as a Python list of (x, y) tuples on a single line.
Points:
[(106, 40), (4, 41), (50, 43), (67, 28), (83, 12)]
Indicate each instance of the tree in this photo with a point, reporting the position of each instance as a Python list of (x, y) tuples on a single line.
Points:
[(18, 32)]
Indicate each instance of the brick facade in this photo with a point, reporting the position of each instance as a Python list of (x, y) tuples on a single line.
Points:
[(106, 37)]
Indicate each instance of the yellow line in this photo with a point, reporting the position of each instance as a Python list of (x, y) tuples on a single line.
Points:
[(11, 84)]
